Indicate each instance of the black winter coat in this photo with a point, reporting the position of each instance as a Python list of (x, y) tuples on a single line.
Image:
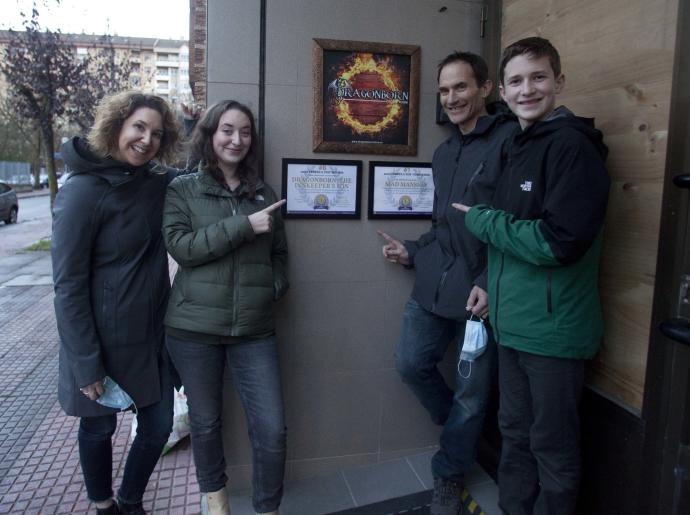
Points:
[(448, 259), (111, 279)]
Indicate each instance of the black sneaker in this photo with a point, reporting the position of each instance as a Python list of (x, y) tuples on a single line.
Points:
[(446, 499), (110, 510), (131, 509)]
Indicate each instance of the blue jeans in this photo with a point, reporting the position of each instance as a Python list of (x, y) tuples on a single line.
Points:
[(154, 424), (256, 376), (423, 342), (538, 416)]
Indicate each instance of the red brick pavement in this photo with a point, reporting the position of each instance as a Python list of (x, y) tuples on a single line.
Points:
[(46, 478), (39, 462)]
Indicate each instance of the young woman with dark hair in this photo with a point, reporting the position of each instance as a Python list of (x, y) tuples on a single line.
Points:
[(223, 227)]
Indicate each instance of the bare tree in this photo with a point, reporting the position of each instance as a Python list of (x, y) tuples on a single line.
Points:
[(49, 84), (43, 75), (106, 74)]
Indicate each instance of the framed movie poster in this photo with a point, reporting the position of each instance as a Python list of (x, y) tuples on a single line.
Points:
[(366, 97), (321, 188), (400, 190)]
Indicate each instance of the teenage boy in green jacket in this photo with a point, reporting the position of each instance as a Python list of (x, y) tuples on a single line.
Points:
[(544, 237)]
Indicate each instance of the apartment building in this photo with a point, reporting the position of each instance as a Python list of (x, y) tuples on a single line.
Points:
[(159, 66)]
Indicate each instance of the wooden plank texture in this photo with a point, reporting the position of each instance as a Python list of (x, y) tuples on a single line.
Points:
[(617, 56)]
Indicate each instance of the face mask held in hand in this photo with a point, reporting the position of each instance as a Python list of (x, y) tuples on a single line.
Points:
[(473, 346), (114, 396)]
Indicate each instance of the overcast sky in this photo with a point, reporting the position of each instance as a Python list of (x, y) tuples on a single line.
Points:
[(144, 18)]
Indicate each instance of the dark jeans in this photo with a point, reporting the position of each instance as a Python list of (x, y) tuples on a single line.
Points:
[(256, 376), (154, 424), (539, 471), (423, 343)]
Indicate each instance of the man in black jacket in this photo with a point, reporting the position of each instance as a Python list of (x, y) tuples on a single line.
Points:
[(450, 284)]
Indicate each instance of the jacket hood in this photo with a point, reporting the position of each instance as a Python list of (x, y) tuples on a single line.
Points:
[(563, 117), (81, 159)]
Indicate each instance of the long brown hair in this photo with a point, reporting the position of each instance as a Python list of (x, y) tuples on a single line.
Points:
[(201, 145)]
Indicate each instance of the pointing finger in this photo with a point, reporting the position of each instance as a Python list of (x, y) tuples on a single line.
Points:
[(460, 207), (275, 206), (389, 239)]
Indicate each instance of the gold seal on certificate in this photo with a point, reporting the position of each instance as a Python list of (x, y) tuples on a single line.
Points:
[(400, 190), (316, 188)]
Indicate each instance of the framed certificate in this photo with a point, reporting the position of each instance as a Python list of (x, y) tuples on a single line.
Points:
[(321, 188), (400, 190)]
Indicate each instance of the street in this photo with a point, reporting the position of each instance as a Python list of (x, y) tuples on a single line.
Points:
[(33, 224)]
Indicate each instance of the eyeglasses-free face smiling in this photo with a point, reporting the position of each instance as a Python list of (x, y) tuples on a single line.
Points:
[(140, 137), (462, 99), (232, 139), (529, 88)]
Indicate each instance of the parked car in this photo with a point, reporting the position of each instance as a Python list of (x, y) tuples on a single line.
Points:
[(9, 207)]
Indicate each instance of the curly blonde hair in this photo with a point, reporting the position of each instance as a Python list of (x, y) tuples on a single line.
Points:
[(113, 110)]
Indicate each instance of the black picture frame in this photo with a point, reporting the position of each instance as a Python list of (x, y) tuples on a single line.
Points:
[(377, 169), (311, 201)]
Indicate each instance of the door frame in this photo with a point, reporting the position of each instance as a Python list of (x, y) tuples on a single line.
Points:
[(666, 406)]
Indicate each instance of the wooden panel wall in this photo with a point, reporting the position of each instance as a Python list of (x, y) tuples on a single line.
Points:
[(617, 56)]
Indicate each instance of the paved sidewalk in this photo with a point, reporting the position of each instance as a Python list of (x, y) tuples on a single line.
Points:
[(39, 461), (43, 192)]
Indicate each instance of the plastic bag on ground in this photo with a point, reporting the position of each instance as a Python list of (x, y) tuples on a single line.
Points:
[(180, 427)]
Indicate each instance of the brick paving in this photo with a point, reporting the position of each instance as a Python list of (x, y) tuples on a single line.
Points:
[(39, 459)]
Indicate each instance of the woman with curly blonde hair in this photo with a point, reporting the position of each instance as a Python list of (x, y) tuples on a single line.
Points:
[(111, 289)]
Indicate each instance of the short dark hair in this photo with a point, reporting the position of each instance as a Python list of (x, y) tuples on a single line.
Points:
[(201, 145), (477, 63), (535, 48)]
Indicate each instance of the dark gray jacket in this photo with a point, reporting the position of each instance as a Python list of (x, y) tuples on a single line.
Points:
[(111, 279), (448, 259)]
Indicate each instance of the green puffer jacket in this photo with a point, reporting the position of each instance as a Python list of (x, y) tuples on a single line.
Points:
[(228, 276)]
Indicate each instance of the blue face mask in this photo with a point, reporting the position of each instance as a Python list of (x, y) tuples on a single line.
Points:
[(114, 396), (473, 346)]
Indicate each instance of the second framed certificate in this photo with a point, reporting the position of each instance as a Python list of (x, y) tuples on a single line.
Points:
[(400, 190), (321, 188)]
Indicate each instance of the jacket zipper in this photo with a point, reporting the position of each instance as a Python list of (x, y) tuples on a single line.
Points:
[(548, 292), (438, 289), (496, 301), (445, 272), (500, 271), (235, 275), (474, 175)]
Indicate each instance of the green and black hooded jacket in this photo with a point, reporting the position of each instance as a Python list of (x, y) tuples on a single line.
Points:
[(544, 230)]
